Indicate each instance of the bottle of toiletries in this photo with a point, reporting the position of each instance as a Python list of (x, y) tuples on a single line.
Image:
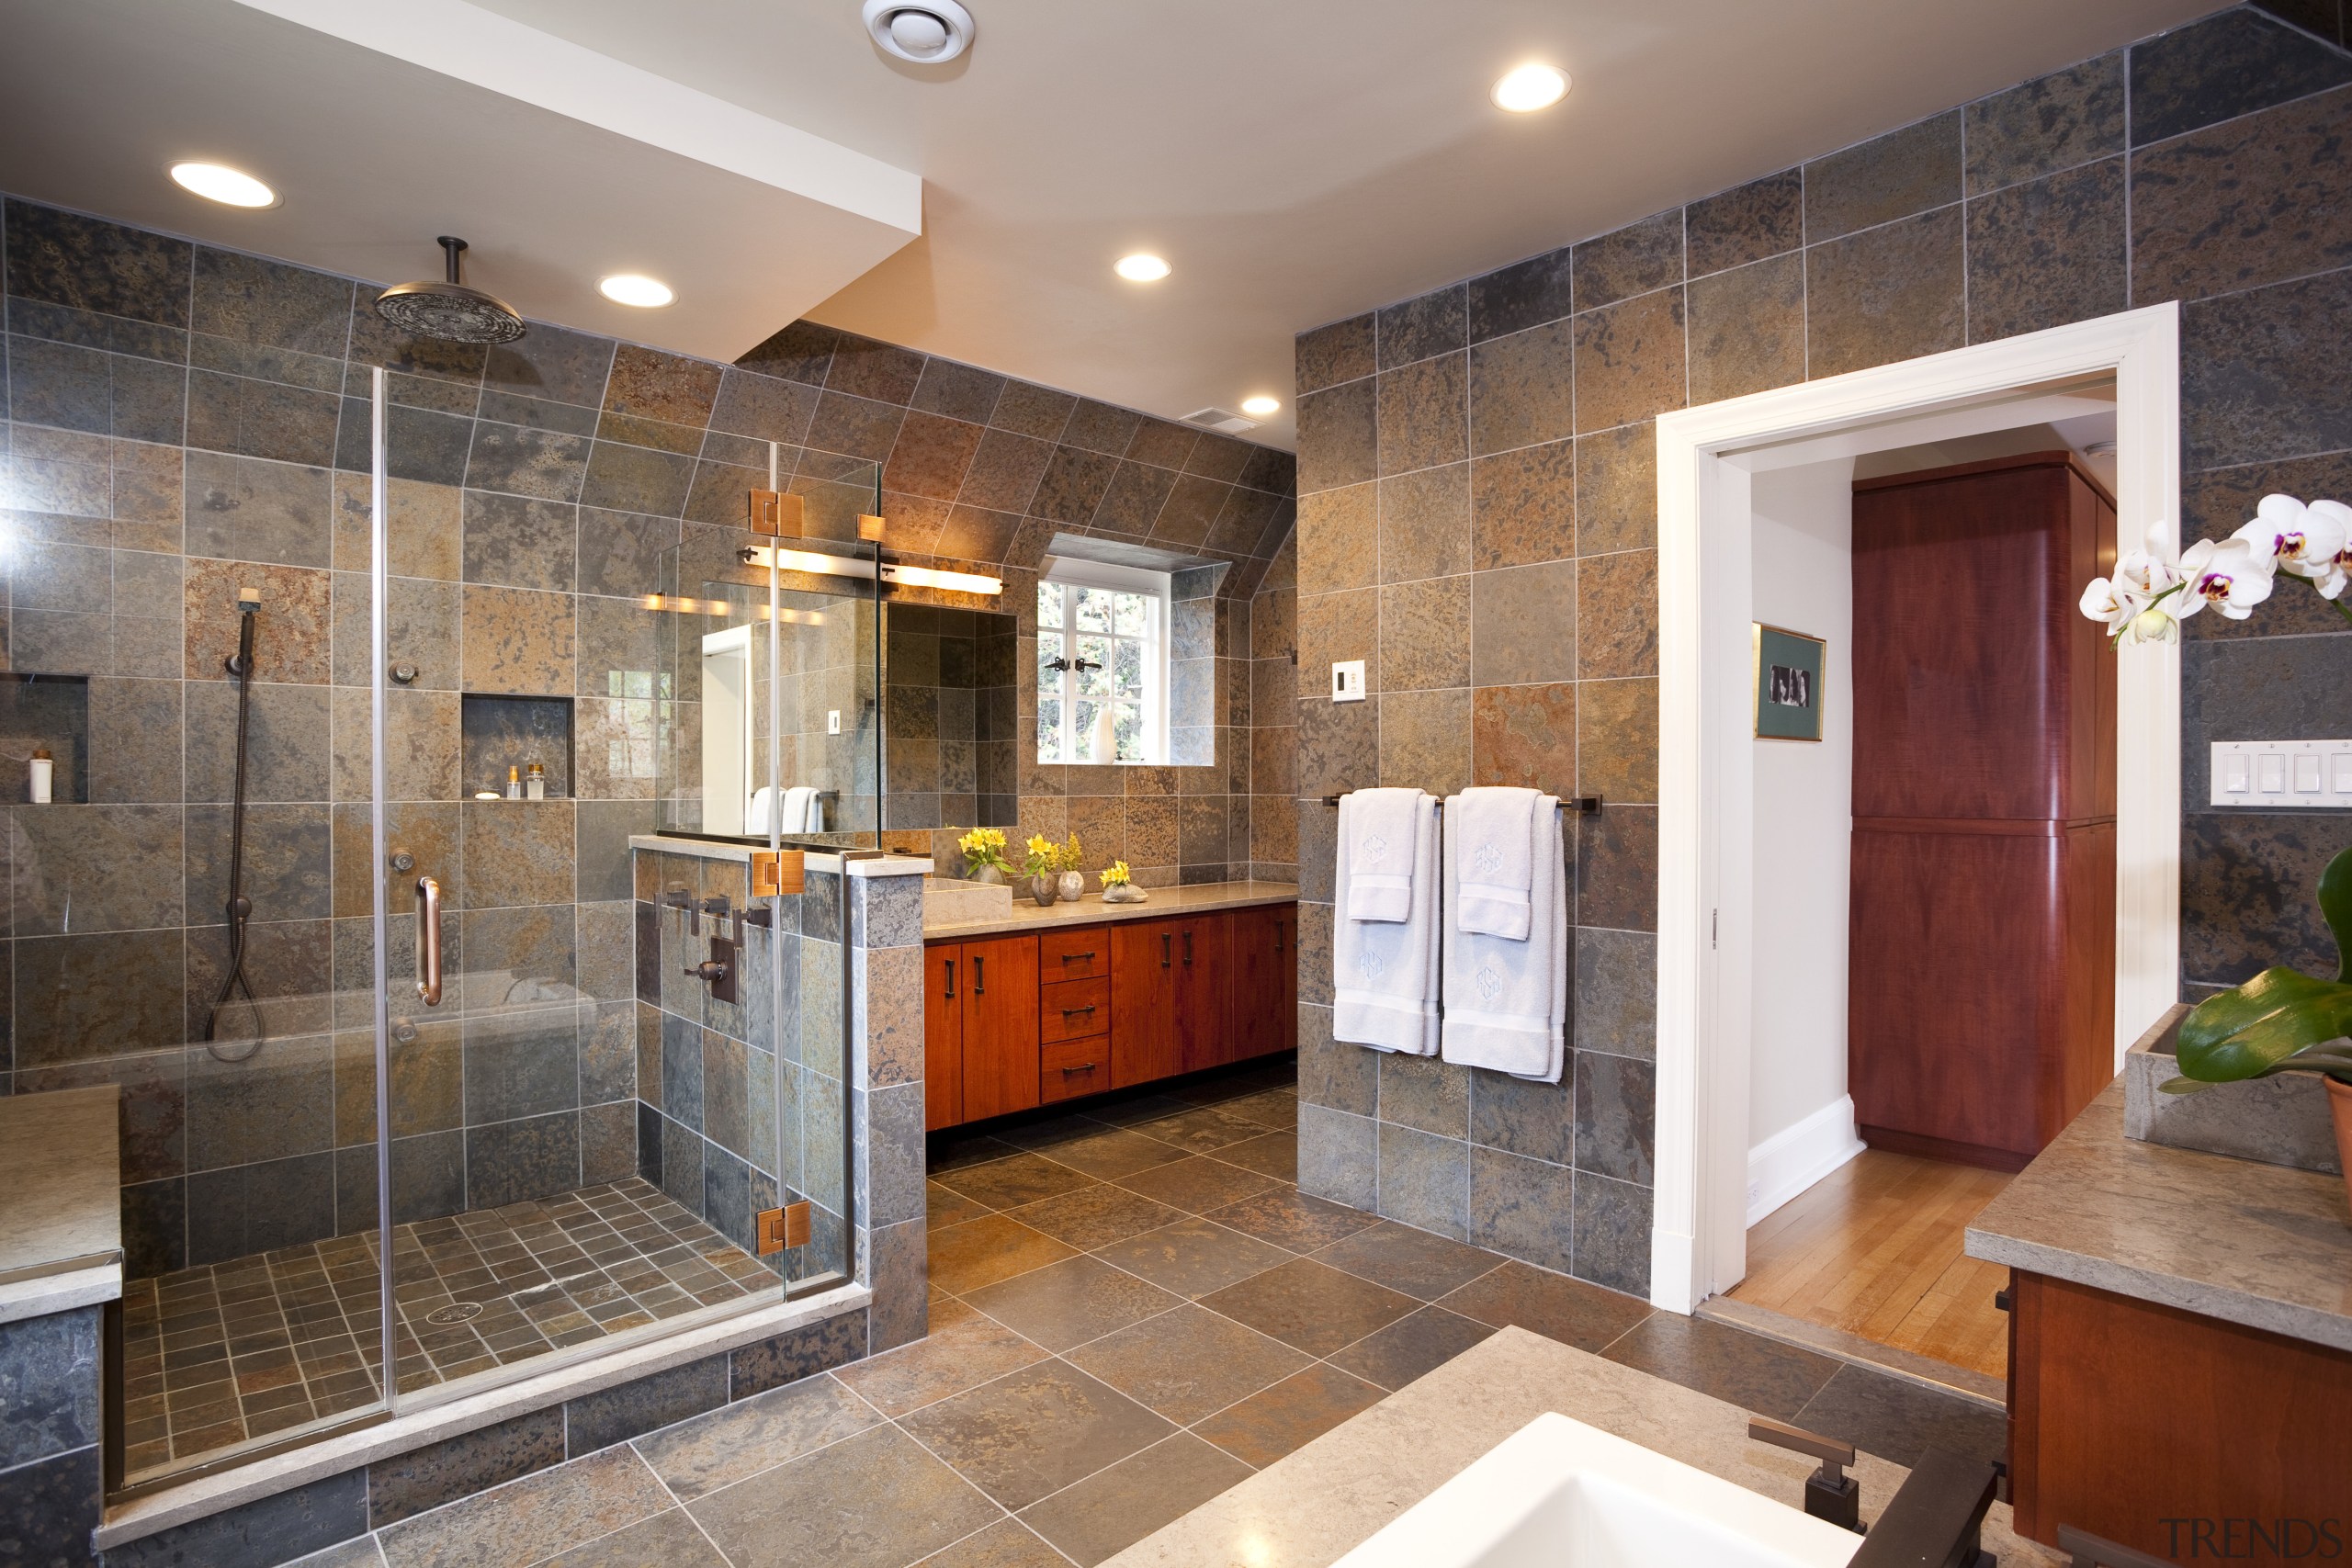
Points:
[(535, 788), (514, 783), (40, 775)]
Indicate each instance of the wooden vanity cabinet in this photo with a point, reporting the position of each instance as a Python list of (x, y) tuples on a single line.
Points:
[(1016, 1022), (979, 1030), (1264, 1018), (1169, 981)]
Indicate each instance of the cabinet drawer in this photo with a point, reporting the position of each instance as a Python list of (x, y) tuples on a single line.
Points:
[(1081, 954), (1067, 1011), (1074, 1068)]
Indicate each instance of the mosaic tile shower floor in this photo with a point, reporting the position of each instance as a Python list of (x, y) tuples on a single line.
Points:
[(229, 1352)]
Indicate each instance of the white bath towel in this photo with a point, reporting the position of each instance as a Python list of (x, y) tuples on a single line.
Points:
[(1377, 846), (797, 801), (1384, 972), (1507, 1002), (1496, 829)]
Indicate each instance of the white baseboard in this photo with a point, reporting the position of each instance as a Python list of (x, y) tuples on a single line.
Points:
[(1792, 1160)]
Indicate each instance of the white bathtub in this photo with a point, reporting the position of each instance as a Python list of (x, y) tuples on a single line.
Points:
[(1559, 1493)]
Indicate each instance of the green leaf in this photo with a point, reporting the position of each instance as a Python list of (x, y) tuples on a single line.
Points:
[(2183, 1085), (2336, 905), (2246, 1032)]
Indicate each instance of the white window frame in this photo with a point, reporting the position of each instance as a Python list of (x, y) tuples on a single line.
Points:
[(1062, 572)]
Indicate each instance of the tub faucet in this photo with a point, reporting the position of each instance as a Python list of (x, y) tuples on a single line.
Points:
[(1830, 1495)]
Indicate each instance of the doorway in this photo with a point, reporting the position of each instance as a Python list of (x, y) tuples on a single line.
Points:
[(1713, 462)]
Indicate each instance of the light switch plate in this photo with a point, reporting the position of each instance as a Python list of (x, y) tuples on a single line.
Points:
[(1346, 681), (2303, 773), (833, 721)]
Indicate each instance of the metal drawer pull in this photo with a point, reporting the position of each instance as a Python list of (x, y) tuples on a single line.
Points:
[(1165, 942), (1074, 1012), (951, 980), (1188, 945), (1082, 1068), (1074, 957), (980, 976)]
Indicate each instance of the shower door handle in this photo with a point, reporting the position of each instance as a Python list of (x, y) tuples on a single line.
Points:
[(428, 942)]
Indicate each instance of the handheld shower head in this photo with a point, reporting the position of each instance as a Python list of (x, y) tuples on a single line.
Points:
[(449, 309)]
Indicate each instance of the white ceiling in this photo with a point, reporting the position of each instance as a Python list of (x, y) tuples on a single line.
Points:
[(1297, 162)]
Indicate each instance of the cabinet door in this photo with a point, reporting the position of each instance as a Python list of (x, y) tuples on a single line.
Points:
[(1145, 1042), (943, 1036), (1265, 980), (999, 986), (1203, 991)]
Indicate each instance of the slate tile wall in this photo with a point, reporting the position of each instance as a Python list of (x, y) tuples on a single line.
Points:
[(1477, 523)]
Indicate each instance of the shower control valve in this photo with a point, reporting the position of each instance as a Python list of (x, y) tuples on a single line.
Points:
[(718, 971)]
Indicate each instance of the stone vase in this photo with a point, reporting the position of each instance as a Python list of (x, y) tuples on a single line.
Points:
[(991, 874), (1043, 890), (2339, 1108), (1072, 886)]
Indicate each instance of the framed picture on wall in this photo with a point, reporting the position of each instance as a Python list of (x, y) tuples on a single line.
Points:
[(1788, 684)]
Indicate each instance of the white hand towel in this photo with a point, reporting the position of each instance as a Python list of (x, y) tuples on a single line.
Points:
[(797, 802), (1376, 840), (755, 821), (1495, 829), (1507, 1002), (1384, 972)]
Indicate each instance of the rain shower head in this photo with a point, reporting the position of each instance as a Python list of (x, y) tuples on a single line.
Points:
[(449, 309)]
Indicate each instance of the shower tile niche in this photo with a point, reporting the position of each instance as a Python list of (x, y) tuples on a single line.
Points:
[(501, 732), (51, 711)]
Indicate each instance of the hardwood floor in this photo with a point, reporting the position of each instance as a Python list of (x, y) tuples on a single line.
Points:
[(1874, 1249)]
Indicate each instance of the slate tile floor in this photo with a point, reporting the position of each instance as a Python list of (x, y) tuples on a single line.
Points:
[(220, 1354), (1132, 1307)]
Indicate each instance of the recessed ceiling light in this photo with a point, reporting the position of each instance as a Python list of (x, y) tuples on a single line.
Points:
[(1526, 88), (636, 289), (218, 182), (1141, 267), (1261, 406)]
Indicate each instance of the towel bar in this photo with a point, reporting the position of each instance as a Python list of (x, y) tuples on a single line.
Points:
[(1586, 804)]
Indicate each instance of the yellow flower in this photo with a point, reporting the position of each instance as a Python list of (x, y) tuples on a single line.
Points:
[(1116, 875)]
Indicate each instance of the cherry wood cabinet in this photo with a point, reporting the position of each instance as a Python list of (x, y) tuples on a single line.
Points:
[(2136, 1421), (1265, 1014), (979, 1030), (1016, 1022), (1984, 809)]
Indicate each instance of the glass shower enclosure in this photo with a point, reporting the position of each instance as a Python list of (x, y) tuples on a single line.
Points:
[(474, 1104)]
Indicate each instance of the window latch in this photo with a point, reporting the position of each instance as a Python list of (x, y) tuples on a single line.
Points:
[(1067, 664)]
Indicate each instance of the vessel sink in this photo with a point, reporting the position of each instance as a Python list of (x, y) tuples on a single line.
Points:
[(1559, 1493)]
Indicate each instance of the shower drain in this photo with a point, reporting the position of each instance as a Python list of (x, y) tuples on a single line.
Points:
[(456, 1312)]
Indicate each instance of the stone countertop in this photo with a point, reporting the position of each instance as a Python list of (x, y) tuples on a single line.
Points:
[(2259, 1244), (1314, 1505), (1199, 898), (60, 1229)]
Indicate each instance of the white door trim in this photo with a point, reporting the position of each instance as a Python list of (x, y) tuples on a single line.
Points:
[(1698, 1231)]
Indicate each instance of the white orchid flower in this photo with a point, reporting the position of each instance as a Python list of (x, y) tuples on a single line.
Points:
[(2131, 602), (2338, 516), (2305, 540), (2229, 575)]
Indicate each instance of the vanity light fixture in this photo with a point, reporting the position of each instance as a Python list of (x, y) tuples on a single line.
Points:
[(817, 564), (636, 289), (219, 182), (1261, 406), (1523, 89), (1141, 267)]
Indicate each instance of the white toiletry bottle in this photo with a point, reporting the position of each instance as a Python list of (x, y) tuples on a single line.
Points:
[(514, 783), (537, 787), (40, 776)]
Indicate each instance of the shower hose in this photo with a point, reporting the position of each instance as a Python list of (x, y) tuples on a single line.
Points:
[(240, 909)]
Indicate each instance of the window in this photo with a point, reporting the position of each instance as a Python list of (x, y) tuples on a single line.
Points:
[(1101, 664)]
